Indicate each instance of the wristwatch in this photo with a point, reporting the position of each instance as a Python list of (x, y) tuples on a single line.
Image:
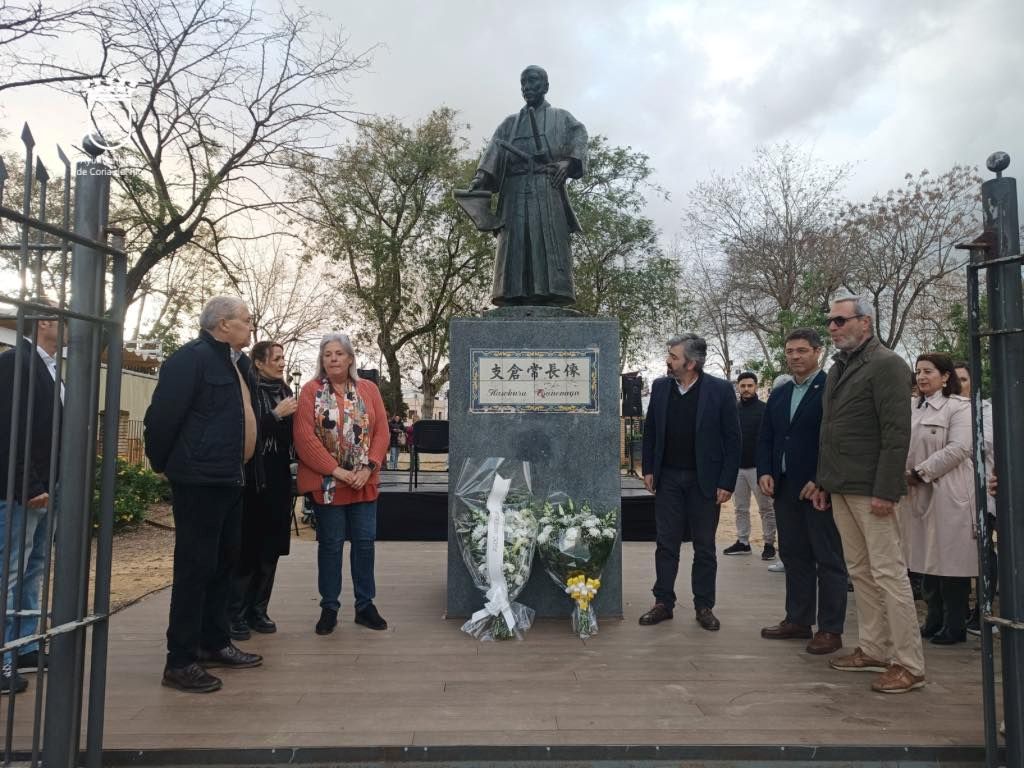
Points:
[(372, 465)]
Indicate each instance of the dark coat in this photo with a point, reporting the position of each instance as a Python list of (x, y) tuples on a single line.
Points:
[(718, 433), (865, 424), (195, 423), (797, 438), (40, 426), (267, 515)]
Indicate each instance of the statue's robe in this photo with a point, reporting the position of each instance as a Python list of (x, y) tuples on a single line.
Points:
[(534, 264)]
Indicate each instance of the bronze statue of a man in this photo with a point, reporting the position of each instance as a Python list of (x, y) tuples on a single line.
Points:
[(527, 162)]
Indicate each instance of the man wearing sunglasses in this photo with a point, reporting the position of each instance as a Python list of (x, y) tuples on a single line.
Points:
[(865, 436)]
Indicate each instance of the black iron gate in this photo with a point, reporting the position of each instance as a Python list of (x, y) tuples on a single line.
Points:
[(88, 277), (997, 252)]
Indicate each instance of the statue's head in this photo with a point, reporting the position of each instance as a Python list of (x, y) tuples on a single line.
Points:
[(534, 83)]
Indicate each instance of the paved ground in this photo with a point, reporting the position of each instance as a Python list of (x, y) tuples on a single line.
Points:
[(423, 682)]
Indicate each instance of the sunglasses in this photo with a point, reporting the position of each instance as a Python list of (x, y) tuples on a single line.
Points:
[(839, 321)]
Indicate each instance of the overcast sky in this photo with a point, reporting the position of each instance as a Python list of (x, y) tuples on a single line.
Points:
[(889, 86)]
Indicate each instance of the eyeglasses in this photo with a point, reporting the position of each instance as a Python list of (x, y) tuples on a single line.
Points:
[(839, 320)]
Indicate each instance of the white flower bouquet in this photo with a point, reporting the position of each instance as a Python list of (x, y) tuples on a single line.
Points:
[(496, 531), (575, 542)]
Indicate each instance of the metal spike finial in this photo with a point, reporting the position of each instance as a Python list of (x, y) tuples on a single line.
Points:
[(42, 175), (26, 137), (63, 158), (997, 163)]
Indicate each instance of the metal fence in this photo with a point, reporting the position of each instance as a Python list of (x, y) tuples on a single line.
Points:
[(88, 276), (130, 446)]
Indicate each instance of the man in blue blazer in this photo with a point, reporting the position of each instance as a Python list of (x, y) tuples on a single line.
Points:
[(809, 543), (690, 460)]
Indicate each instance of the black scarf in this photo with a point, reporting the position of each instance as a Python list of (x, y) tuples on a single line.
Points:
[(266, 398)]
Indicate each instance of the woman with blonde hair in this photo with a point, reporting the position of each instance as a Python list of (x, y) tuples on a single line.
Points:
[(341, 436)]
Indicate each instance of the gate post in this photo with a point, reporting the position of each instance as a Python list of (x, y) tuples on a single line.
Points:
[(1006, 319), (71, 570)]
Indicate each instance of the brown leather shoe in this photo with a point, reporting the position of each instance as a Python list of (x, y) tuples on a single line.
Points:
[(707, 620), (858, 661), (825, 642), (785, 630), (656, 615), (897, 679)]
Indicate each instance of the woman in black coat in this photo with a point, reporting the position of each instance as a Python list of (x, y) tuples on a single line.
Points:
[(266, 520)]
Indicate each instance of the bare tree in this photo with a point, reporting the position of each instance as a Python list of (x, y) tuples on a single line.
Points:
[(28, 30), (904, 244), (704, 288), (775, 222), (230, 97), (291, 299)]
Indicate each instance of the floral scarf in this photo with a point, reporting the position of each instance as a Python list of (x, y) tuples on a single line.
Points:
[(345, 432)]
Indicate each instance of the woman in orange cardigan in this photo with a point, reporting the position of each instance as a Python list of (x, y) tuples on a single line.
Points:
[(341, 436)]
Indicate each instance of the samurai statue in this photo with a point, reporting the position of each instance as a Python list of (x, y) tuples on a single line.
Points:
[(527, 163)]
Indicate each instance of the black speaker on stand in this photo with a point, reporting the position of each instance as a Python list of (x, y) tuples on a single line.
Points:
[(632, 412)]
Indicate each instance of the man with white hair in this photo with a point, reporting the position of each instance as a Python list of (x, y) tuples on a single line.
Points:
[(200, 432), (865, 437)]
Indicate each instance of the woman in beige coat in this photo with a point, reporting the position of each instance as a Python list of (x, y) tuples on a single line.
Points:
[(937, 518)]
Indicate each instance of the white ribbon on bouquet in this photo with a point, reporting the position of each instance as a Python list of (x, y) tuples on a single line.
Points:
[(497, 594)]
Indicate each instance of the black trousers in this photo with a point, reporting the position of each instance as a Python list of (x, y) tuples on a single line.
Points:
[(683, 513), (251, 588), (947, 598), (207, 533), (812, 551)]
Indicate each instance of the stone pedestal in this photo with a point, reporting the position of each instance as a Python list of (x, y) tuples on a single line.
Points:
[(575, 449)]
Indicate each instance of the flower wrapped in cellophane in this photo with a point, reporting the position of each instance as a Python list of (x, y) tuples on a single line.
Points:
[(496, 530), (575, 542)]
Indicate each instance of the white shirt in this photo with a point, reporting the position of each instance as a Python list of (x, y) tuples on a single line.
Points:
[(51, 366)]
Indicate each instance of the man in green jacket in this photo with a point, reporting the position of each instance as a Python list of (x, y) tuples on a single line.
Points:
[(865, 435)]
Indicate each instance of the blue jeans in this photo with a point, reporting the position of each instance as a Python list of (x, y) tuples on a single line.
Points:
[(393, 457), (356, 523), (29, 528)]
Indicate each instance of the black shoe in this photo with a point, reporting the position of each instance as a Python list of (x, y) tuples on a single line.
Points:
[(328, 621), (29, 662), (946, 636), (707, 620), (974, 624), (190, 679), (239, 630), (262, 624), (11, 681), (769, 552), (230, 656), (659, 613), (928, 630), (369, 617), (739, 548)]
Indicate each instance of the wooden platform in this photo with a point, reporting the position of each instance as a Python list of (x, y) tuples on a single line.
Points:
[(425, 683)]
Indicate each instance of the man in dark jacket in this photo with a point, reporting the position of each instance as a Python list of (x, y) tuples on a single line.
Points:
[(27, 513), (200, 432), (787, 461), (751, 411), (690, 458), (865, 437)]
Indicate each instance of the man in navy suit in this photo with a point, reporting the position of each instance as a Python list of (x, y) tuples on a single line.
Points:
[(691, 458), (787, 461)]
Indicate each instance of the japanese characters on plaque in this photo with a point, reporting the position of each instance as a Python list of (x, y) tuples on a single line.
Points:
[(535, 380)]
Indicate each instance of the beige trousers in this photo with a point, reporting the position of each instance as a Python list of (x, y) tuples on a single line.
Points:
[(886, 616)]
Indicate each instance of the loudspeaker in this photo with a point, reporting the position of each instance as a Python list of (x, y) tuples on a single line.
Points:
[(369, 373), (632, 392)]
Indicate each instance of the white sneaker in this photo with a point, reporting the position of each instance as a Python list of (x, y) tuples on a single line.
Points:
[(777, 567)]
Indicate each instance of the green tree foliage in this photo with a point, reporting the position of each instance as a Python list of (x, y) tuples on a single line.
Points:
[(383, 207), (619, 267)]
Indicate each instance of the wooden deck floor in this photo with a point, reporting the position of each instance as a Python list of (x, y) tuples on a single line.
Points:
[(423, 682)]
